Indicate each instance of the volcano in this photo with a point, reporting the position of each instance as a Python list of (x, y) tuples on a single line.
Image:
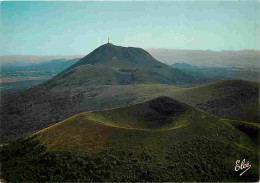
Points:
[(116, 65)]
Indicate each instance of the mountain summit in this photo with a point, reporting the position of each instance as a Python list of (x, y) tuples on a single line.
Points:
[(120, 57), (116, 65)]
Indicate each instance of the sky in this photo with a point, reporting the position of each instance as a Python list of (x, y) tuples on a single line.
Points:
[(77, 28)]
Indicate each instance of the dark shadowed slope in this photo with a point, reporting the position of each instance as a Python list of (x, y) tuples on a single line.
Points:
[(159, 113), (234, 99)]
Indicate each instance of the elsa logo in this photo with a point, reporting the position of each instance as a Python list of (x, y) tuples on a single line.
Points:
[(241, 165)]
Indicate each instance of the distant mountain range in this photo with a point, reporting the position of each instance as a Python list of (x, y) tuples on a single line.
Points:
[(238, 59), (15, 78), (21, 60), (242, 58), (219, 73), (51, 65), (19, 72)]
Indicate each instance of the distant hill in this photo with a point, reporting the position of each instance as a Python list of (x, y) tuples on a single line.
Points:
[(219, 73), (120, 65), (234, 99), (206, 58), (51, 65), (184, 66), (22, 60), (15, 78)]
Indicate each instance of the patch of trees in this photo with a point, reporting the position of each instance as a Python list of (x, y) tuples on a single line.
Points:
[(199, 159), (232, 105), (33, 110)]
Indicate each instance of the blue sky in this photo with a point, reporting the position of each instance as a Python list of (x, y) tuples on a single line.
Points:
[(71, 28)]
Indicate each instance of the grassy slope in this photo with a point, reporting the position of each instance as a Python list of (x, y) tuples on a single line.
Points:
[(219, 89), (233, 99), (86, 75), (118, 128), (197, 94), (250, 129)]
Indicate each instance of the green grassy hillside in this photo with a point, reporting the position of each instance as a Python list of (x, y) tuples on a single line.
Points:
[(120, 66), (86, 75), (250, 129), (146, 125), (234, 99)]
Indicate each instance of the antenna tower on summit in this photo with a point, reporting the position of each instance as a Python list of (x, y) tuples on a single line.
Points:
[(108, 40)]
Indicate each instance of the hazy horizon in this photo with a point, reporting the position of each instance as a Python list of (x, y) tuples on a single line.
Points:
[(77, 28), (173, 49)]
